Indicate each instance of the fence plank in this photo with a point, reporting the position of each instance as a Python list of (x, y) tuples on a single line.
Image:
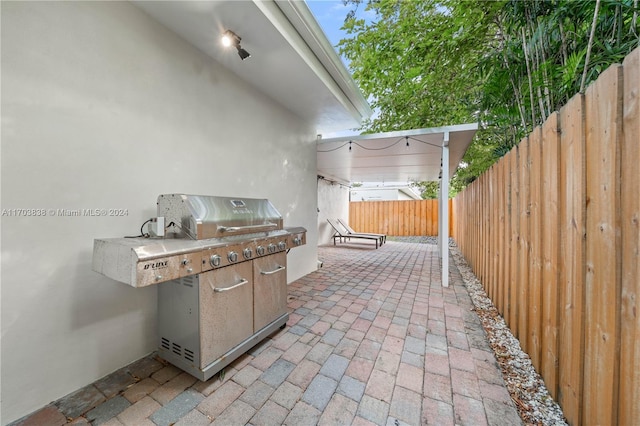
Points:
[(480, 215), (414, 208), (435, 214), (396, 224), (572, 270), (630, 222), (477, 220), (353, 216), (410, 215), (434, 223), (535, 249), (404, 219), (380, 215), (399, 219), (454, 207), (429, 217), (551, 229), (468, 230), (486, 217), (407, 217), (604, 118), (431, 226), (499, 231), (506, 236), (496, 234), (363, 223), (523, 246), (421, 224), (491, 235), (514, 277)]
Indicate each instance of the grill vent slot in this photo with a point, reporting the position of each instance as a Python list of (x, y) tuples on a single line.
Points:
[(188, 281), (188, 355), (177, 349), (165, 343)]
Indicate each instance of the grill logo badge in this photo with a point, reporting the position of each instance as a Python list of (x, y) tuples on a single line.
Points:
[(157, 265)]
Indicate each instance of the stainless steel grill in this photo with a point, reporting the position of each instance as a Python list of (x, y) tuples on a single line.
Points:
[(221, 274)]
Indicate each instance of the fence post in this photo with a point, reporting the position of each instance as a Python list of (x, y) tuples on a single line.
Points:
[(444, 217)]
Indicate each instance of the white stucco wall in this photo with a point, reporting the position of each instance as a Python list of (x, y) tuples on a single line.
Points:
[(102, 107), (333, 203)]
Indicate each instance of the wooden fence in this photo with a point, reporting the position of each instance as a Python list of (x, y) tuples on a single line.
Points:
[(553, 232), (397, 218)]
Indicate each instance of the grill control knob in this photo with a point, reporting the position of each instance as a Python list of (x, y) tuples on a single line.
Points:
[(297, 241), (215, 260), (271, 248), (247, 253), (282, 245), (232, 256), (260, 250)]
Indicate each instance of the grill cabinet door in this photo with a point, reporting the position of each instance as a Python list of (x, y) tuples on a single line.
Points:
[(178, 319), (226, 310), (270, 289)]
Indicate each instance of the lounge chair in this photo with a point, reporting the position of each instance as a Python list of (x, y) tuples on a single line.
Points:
[(343, 235), (383, 237)]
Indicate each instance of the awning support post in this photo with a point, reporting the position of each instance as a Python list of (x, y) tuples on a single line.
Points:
[(443, 202)]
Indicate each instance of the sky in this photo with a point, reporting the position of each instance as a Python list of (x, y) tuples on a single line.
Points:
[(330, 15)]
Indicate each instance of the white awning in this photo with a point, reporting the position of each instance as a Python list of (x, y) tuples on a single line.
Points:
[(411, 155), (385, 157)]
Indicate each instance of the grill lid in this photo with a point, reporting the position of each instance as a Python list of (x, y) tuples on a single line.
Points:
[(205, 216)]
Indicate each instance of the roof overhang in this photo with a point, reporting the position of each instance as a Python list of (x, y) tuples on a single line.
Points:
[(292, 62), (385, 157)]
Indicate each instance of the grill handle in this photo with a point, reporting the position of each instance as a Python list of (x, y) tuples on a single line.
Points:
[(256, 228), (278, 269), (220, 290)]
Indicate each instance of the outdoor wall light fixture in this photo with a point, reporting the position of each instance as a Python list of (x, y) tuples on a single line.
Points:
[(229, 38)]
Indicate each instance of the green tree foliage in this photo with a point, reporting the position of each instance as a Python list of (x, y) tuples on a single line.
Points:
[(507, 64)]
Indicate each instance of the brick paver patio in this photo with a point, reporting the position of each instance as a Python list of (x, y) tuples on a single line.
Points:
[(372, 339)]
